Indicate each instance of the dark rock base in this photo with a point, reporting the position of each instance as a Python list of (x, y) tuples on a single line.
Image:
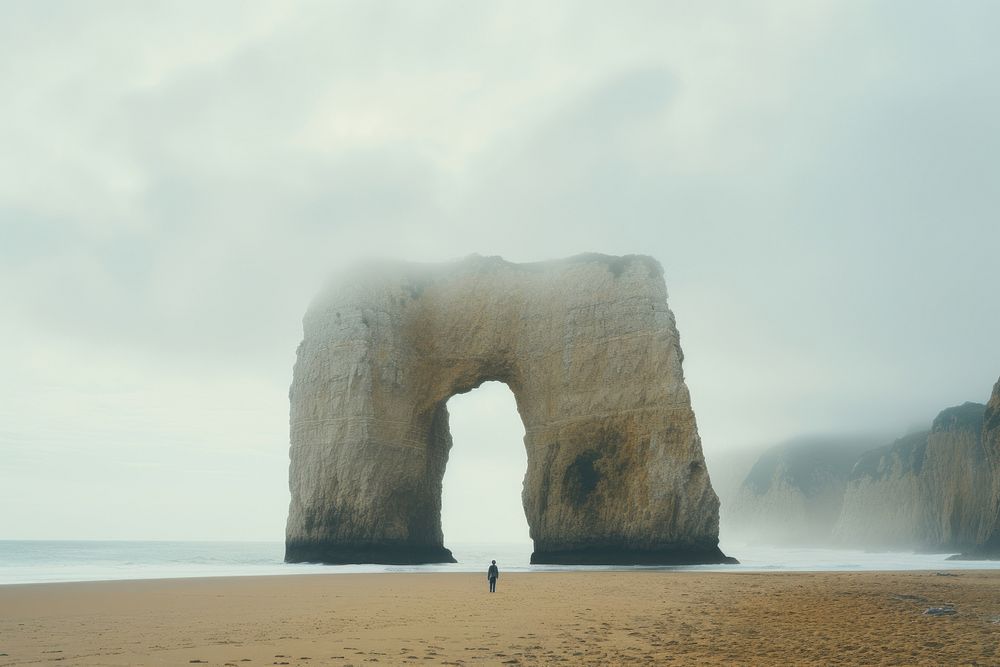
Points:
[(329, 553), (610, 556)]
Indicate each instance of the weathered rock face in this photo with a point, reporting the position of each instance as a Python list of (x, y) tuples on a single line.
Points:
[(926, 491), (793, 493), (884, 502), (590, 350), (989, 536), (956, 479)]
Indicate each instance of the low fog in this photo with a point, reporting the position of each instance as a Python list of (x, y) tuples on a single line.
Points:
[(817, 179)]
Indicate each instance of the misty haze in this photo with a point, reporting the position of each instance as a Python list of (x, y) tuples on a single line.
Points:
[(630, 300)]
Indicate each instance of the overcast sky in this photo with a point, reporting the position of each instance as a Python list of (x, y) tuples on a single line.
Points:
[(818, 179)]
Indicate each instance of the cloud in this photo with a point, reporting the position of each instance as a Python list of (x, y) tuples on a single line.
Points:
[(176, 182)]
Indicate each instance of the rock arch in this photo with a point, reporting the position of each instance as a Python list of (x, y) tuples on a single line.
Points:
[(590, 351)]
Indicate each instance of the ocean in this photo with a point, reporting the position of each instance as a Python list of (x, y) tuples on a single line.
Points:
[(40, 561)]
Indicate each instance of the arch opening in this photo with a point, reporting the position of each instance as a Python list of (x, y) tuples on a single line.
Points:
[(482, 512)]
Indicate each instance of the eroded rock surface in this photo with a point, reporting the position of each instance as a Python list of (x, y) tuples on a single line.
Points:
[(591, 352)]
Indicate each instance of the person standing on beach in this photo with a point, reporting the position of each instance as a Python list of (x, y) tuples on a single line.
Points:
[(493, 574)]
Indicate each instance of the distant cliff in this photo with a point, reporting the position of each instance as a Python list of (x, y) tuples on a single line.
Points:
[(956, 478), (925, 491), (883, 503), (936, 490), (793, 494), (988, 544)]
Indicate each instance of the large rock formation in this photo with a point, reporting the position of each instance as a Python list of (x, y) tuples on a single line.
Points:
[(590, 350), (927, 491), (793, 493)]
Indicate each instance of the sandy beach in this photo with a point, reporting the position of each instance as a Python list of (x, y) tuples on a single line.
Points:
[(536, 618)]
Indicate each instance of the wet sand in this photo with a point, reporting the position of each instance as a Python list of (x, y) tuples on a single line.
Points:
[(572, 618)]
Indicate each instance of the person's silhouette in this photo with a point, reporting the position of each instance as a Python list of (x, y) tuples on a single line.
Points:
[(493, 574)]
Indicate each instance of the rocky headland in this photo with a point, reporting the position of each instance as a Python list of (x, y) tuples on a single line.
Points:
[(935, 490), (926, 491)]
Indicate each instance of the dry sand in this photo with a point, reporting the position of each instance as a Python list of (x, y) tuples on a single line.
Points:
[(570, 618)]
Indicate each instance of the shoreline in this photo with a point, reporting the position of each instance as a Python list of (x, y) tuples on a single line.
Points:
[(580, 617), (23, 562), (569, 570)]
